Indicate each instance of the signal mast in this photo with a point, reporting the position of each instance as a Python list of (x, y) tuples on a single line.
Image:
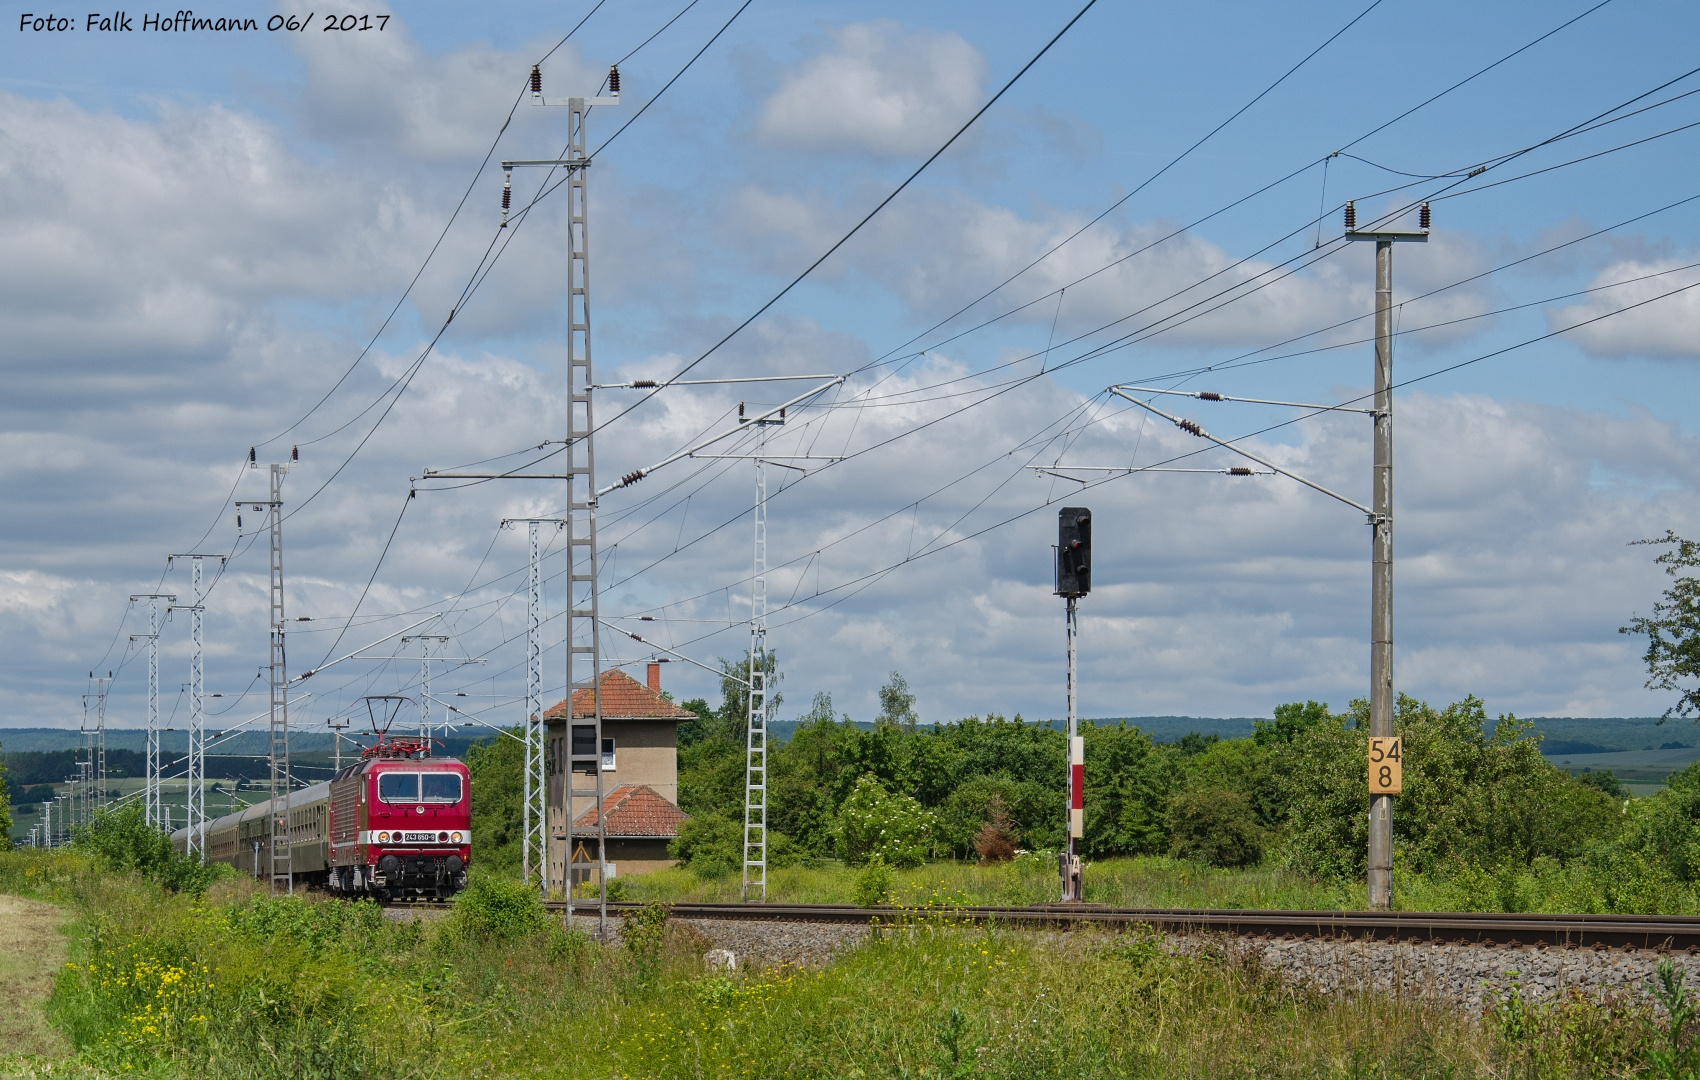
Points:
[(1074, 580)]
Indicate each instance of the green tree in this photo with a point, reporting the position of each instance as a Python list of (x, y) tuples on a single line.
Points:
[(1129, 780), (1470, 796), (1291, 721), (804, 777), (897, 704), (734, 713), (1605, 780), (1247, 768), (497, 772), (1673, 630), (123, 840), (711, 758), (1214, 826)]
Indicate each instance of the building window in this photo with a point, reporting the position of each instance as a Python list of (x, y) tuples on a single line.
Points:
[(607, 755), (584, 747)]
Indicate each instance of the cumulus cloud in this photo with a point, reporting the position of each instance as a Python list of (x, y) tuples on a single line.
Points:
[(1660, 325), (937, 251), (212, 273), (881, 89)]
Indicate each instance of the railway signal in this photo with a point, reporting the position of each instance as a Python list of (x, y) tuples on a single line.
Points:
[(1074, 580)]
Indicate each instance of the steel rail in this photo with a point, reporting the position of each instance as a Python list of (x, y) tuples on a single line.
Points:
[(1660, 932)]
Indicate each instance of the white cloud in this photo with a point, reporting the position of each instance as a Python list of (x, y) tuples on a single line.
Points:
[(882, 90), (211, 275), (1667, 327)]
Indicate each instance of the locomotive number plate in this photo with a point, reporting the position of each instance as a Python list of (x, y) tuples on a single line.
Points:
[(419, 838)]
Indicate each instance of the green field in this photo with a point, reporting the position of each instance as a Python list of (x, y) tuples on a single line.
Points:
[(175, 795)]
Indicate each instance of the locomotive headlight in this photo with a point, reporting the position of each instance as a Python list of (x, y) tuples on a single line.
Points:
[(383, 838), (455, 837)]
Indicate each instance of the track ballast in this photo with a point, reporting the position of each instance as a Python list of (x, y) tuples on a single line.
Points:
[(1662, 932)]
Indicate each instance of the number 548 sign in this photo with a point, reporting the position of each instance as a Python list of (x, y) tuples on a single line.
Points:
[(1386, 772)]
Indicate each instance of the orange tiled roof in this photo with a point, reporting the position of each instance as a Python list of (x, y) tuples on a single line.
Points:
[(623, 698), (635, 810)]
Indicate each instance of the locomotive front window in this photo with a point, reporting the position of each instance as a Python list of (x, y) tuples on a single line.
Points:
[(440, 787), (399, 786)]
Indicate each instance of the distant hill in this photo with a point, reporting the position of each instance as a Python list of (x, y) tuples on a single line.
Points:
[(1160, 728), (249, 742)]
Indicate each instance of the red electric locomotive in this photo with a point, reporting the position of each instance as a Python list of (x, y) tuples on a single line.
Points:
[(400, 823), (395, 825)]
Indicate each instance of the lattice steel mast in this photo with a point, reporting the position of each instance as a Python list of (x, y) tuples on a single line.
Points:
[(100, 735), (281, 865), (425, 682), (534, 845), (152, 808), (584, 634), (755, 738), (197, 798)]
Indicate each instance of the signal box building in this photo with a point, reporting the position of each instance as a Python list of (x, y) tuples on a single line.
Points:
[(640, 775)]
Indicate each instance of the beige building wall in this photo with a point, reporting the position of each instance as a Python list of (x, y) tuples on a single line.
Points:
[(645, 752)]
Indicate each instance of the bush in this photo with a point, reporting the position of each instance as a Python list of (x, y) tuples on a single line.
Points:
[(643, 932), (873, 822), (995, 842), (493, 908), (710, 845), (123, 840), (316, 926), (968, 808), (1214, 826), (873, 884)]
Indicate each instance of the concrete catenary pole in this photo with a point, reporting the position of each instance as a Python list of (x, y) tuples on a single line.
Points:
[(1381, 546)]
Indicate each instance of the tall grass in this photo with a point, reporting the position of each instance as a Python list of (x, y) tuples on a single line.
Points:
[(237, 986), (1132, 882)]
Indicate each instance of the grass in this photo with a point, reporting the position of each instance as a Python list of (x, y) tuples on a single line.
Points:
[(1135, 882), (1546, 885), (239, 986)]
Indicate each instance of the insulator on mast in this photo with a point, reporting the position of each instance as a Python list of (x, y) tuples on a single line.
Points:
[(740, 410), (295, 453), (782, 412), (1423, 217), (614, 80), (251, 458), (1351, 217), (536, 79), (507, 194)]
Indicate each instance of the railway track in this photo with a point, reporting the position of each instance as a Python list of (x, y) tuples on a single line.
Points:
[(1662, 932)]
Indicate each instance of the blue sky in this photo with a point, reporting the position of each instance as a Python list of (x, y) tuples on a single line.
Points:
[(203, 231)]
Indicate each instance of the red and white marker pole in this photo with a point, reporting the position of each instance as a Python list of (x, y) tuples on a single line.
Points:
[(1072, 888)]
